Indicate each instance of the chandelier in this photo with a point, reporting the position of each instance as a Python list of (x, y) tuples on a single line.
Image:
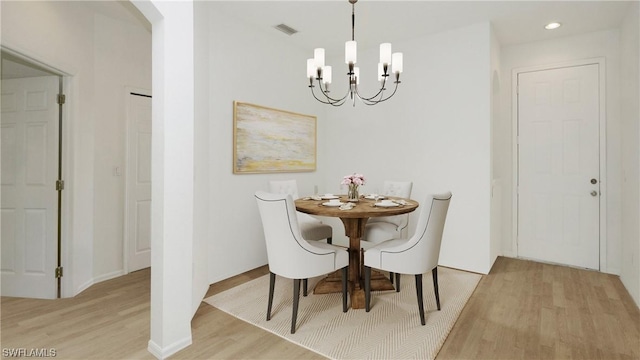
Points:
[(317, 70)]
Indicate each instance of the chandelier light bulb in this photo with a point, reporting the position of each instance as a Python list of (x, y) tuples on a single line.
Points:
[(396, 63), (385, 53), (350, 52), (311, 68), (380, 72), (326, 75), (318, 56)]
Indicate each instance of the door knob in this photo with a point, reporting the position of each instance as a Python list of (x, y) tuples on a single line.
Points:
[(594, 181), (594, 193)]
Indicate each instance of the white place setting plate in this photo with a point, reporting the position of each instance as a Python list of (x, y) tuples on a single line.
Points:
[(328, 197), (374, 197), (387, 204), (329, 203)]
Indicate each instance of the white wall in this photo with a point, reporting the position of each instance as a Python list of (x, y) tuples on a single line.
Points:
[(498, 172), (434, 132), (121, 57), (599, 44), (434, 141), (630, 114), (202, 180), (101, 55), (248, 65)]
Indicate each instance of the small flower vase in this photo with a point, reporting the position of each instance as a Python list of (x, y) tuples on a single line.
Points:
[(352, 194)]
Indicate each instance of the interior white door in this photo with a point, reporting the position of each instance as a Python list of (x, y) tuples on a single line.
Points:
[(29, 158), (558, 166), (139, 182)]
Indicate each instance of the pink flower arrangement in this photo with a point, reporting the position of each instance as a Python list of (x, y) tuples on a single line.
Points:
[(355, 179)]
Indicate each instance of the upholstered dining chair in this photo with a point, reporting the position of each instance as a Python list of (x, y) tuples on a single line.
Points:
[(311, 228), (385, 228), (415, 255), (290, 255), (379, 229)]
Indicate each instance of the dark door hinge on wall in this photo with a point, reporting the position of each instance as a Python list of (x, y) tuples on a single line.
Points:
[(59, 185), (58, 272), (61, 99)]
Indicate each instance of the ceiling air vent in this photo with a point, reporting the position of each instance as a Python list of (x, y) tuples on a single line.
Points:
[(286, 29)]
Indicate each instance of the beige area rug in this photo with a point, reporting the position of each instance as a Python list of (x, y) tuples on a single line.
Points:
[(391, 330)]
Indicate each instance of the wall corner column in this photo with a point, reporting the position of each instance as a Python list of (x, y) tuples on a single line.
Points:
[(172, 174)]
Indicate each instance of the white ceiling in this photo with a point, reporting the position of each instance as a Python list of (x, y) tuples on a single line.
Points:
[(328, 23)]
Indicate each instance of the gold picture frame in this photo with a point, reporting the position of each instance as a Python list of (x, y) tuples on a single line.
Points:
[(267, 140)]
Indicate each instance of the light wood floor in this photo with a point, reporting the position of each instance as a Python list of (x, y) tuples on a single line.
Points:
[(521, 310)]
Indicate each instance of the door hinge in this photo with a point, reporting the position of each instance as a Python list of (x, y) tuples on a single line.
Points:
[(61, 99), (58, 272), (59, 185)]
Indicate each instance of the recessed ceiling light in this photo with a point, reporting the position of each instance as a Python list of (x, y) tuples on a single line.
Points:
[(553, 25)]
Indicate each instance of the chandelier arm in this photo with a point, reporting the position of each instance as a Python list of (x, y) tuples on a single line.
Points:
[(329, 101), (374, 102), (369, 99), (379, 93), (324, 92)]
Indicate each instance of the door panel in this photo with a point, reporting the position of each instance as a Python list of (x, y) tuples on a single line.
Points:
[(558, 155), (29, 197), (139, 183)]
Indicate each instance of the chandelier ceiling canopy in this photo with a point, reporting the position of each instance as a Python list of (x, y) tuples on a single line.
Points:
[(322, 74)]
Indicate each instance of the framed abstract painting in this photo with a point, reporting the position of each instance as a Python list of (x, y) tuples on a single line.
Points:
[(267, 140)]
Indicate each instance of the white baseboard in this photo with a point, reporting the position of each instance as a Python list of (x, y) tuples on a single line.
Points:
[(98, 279), (108, 276), (162, 354), (83, 287)]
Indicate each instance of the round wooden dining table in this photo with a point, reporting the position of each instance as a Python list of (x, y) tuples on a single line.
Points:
[(354, 221)]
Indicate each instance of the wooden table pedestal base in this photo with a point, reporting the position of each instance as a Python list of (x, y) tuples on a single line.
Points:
[(333, 284)]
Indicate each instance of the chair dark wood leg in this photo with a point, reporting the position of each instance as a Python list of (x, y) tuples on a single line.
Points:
[(397, 282), (419, 294), (391, 277), (329, 240), (434, 274), (304, 286), (367, 288), (345, 272), (296, 300), (361, 261), (272, 283)]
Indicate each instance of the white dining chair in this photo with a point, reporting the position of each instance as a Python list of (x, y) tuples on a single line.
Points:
[(379, 229), (290, 255), (311, 228), (415, 255)]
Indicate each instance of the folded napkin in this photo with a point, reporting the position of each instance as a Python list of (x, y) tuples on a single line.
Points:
[(400, 202), (347, 206), (316, 197)]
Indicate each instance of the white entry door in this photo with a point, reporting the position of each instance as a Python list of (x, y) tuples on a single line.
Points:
[(29, 148), (139, 181), (558, 166)]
